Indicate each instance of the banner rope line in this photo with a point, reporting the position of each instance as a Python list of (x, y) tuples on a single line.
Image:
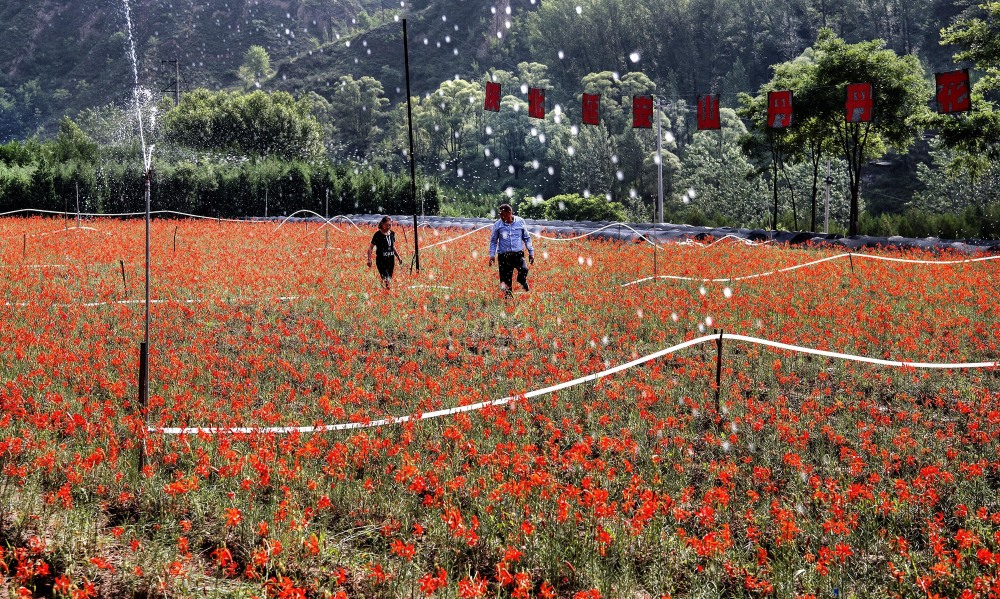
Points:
[(392, 420)]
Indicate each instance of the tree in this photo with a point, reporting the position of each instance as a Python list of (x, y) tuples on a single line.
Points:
[(245, 125), (975, 136), (256, 66), (715, 169), (72, 144), (358, 110), (900, 91), (819, 86)]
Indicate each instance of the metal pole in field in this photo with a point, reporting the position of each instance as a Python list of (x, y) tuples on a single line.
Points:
[(659, 180), (409, 125), (826, 218), (144, 346)]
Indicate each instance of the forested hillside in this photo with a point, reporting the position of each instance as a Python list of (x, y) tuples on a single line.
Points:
[(342, 62), (60, 56)]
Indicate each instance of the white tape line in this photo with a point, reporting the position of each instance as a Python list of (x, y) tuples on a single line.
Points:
[(558, 387), (851, 357), (427, 415), (14, 266), (283, 298), (326, 221), (813, 263), (67, 230), (427, 247), (933, 262)]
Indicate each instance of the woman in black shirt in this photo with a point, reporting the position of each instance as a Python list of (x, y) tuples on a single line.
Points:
[(384, 244)]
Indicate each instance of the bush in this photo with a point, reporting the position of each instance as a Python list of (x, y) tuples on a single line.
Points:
[(574, 207)]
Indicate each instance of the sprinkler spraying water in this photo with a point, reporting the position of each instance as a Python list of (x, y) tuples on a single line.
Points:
[(142, 100)]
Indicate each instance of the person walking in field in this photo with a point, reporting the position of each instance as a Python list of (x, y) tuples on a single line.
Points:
[(384, 244), (507, 244)]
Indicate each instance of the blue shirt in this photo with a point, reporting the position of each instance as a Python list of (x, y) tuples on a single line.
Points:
[(510, 238)]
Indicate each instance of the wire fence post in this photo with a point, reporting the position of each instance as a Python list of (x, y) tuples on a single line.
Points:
[(143, 399), (24, 247), (850, 258), (175, 240), (124, 284), (718, 372)]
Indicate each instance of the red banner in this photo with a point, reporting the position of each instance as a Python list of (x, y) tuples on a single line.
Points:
[(708, 112), (953, 91), (860, 103), (536, 103), (591, 109), (642, 112), (779, 109), (492, 97)]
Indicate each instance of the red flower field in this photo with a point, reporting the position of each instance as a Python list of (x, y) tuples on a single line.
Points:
[(813, 476)]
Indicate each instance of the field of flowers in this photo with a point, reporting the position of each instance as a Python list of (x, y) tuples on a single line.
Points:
[(814, 476)]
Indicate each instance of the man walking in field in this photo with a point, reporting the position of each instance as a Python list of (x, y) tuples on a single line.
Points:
[(507, 244)]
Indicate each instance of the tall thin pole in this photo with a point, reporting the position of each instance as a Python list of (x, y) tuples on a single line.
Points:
[(659, 164), (144, 346), (826, 217), (409, 125), (659, 180)]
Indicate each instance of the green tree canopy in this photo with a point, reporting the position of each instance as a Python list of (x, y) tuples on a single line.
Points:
[(256, 66), (358, 109), (247, 125), (975, 136)]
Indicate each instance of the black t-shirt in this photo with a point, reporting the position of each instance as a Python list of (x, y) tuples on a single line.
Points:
[(384, 244)]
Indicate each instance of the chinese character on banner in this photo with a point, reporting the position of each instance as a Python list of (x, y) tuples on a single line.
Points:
[(492, 97), (642, 112), (708, 112), (859, 103), (591, 109), (953, 91), (779, 109), (536, 103)]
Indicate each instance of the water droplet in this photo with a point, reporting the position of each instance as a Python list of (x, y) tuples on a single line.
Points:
[(727, 292), (634, 57)]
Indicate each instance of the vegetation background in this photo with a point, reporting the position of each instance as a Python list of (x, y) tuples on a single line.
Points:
[(301, 104)]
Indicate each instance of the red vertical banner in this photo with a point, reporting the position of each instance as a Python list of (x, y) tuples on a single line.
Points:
[(536, 103), (860, 103), (591, 109), (953, 91), (642, 112), (779, 109), (492, 97), (708, 112)]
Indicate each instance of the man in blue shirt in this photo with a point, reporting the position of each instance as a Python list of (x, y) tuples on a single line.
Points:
[(507, 243)]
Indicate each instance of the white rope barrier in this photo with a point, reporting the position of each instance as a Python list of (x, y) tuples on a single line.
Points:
[(67, 230), (559, 387), (282, 298), (812, 263), (427, 247)]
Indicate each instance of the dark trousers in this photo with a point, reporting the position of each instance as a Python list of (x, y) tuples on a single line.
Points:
[(385, 266), (508, 262)]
